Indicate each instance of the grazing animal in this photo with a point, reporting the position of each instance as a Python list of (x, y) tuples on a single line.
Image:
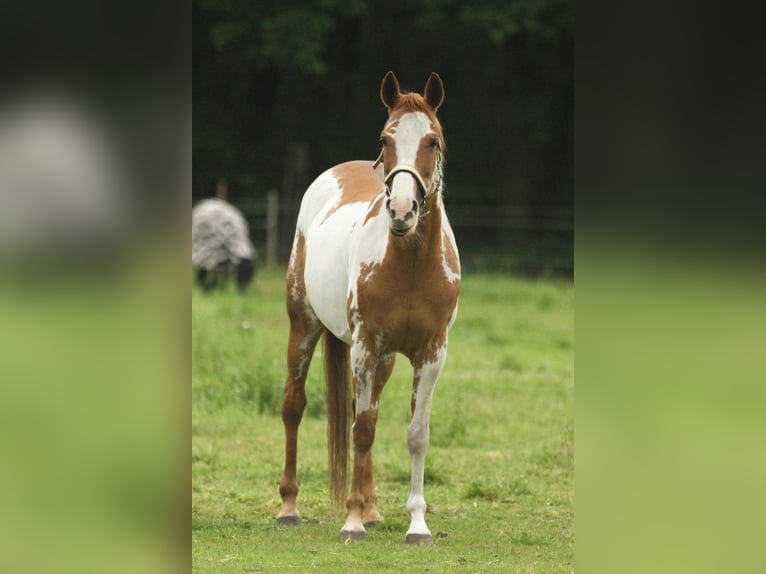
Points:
[(221, 245), (375, 268)]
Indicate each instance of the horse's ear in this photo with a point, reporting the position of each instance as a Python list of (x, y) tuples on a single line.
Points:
[(434, 91), (389, 90)]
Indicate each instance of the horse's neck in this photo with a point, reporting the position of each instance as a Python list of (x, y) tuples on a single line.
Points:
[(427, 245), (433, 220)]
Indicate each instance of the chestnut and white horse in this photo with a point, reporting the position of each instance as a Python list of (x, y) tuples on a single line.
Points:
[(374, 267)]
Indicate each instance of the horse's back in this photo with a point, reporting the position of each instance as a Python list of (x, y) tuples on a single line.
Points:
[(332, 212), (351, 183)]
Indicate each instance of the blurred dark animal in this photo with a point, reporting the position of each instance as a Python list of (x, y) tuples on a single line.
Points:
[(221, 245)]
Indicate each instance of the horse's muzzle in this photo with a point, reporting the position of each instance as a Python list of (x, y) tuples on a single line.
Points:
[(402, 223)]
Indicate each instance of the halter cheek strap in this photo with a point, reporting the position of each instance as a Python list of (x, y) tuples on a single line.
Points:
[(377, 161)]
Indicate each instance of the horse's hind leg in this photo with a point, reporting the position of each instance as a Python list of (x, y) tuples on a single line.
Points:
[(305, 330), (370, 375), (370, 515)]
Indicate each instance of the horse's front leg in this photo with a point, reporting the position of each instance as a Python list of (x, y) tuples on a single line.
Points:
[(370, 375), (426, 373)]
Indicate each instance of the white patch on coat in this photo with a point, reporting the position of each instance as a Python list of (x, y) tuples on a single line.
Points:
[(292, 271), (412, 128), (327, 251), (448, 237), (338, 245), (450, 274)]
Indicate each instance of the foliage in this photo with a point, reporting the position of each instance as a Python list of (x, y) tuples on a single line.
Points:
[(286, 35), (271, 75), (293, 35), (499, 478), (500, 19)]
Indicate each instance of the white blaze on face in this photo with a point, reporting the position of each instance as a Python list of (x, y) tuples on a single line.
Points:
[(407, 135)]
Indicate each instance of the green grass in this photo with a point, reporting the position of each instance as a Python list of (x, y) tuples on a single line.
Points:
[(499, 473)]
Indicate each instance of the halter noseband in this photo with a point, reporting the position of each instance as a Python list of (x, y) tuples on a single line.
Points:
[(409, 169)]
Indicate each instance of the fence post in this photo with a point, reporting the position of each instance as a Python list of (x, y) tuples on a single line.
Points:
[(294, 183), (272, 222), (222, 188)]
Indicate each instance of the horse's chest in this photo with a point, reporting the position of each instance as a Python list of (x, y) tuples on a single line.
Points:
[(402, 311)]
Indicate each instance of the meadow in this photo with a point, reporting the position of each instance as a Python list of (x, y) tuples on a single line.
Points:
[(499, 472)]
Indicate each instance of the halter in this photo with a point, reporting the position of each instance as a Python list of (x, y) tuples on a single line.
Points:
[(428, 190)]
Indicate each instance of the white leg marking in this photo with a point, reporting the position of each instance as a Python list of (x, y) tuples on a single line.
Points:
[(417, 442), (359, 357), (353, 529)]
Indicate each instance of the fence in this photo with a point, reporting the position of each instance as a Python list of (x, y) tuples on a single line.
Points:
[(522, 239), (263, 218)]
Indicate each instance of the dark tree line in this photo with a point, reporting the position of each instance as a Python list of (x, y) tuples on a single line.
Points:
[(281, 81)]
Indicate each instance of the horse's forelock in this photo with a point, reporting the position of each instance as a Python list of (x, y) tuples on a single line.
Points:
[(414, 102)]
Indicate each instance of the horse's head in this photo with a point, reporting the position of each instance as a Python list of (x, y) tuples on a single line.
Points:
[(413, 147)]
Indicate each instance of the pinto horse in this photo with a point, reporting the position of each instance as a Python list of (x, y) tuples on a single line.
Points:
[(375, 268)]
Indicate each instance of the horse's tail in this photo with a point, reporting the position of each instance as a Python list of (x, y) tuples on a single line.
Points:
[(338, 384)]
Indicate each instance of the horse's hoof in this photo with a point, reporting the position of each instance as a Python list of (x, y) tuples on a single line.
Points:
[(346, 535), (419, 539), (290, 520), (373, 523)]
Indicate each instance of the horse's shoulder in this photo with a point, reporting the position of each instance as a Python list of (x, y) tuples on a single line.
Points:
[(360, 166), (358, 180)]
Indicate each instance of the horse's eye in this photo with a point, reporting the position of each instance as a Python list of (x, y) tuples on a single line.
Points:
[(434, 143), (383, 142)]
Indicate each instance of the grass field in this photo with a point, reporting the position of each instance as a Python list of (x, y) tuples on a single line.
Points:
[(499, 473)]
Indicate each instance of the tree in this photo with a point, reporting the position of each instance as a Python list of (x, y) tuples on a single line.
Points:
[(272, 75)]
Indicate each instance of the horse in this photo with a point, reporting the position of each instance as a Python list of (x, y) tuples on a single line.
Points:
[(374, 268)]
